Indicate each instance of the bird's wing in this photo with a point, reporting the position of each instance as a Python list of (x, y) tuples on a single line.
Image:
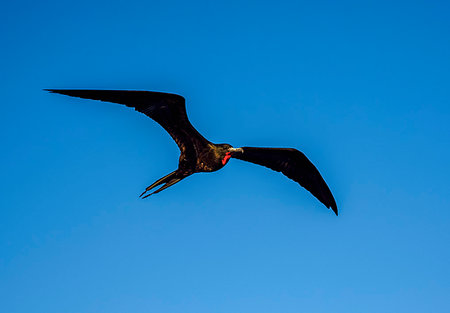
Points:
[(294, 165), (167, 109)]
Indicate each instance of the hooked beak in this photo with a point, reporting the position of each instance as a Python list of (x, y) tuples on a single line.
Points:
[(229, 154), (234, 150)]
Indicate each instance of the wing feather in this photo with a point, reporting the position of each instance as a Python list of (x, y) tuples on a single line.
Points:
[(295, 165), (168, 110)]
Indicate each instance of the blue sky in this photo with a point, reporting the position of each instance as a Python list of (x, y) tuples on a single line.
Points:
[(362, 88)]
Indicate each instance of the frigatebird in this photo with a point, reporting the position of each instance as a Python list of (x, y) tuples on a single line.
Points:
[(199, 154)]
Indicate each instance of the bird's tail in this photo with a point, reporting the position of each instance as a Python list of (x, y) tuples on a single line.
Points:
[(168, 180)]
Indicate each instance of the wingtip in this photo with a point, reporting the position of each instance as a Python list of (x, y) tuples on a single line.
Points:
[(335, 210)]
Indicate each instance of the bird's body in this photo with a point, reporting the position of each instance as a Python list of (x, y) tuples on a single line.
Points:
[(210, 158), (198, 154)]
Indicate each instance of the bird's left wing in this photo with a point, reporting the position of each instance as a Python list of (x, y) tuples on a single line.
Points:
[(169, 110), (295, 165)]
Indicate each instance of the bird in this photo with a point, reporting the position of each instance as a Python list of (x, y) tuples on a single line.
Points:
[(197, 154)]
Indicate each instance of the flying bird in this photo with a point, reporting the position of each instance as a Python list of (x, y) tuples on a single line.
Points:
[(199, 154)]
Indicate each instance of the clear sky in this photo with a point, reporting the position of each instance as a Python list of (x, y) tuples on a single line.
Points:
[(361, 87)]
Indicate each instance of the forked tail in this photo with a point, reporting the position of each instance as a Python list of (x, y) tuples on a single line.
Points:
[(168, 180)]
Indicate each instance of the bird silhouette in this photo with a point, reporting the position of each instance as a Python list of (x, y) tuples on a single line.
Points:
[(200, 155)]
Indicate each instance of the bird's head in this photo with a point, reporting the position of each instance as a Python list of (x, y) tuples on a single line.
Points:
[(226, 151)]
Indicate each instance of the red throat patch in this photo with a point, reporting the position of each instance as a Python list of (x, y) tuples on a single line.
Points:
[(226, 158)]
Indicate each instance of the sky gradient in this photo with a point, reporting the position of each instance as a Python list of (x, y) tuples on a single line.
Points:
[(361, 88)]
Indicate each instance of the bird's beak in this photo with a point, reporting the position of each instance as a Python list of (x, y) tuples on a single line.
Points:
[(230, 153), (235, 150)]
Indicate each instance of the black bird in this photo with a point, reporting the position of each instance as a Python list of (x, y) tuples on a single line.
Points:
[(200, 155)]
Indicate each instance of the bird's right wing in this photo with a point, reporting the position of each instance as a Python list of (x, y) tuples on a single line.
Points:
[(295, 165), (167, 109)]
